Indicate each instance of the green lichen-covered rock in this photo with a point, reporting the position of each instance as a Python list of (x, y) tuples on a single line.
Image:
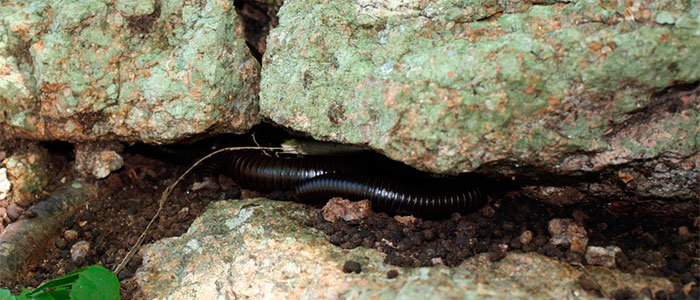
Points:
[(28, 173), (260, 249), (458, 85), (152, 71)]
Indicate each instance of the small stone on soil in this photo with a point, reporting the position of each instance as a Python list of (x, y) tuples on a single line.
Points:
[(13, 212), (79, 251), (339, 208), (392, 274), (568, 233), (70, 235), (599, 256), (526, 237), (352, 267)]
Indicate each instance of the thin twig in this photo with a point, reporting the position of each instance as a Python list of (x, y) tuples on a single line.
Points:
[(590, 277), (166, 193)]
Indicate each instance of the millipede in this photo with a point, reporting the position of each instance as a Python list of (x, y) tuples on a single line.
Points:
[(390, 187)]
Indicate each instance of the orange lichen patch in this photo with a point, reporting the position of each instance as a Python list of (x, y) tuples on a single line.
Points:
[(19, 28), (51, 87), (645, 15), (554, 24), (4, 70), (625, 177), (390, 96), (530, 89), (38, 46), (664, 37), (595, 47), (450, 73)]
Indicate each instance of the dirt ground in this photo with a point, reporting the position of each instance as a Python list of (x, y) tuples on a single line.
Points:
[(113, 222), (128, 199)]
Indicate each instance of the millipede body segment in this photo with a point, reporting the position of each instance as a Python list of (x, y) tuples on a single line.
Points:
[(390, 187)]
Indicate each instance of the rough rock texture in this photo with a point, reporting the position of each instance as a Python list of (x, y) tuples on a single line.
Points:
[(450, 86), (27, 170), (568, 233), (599, 256), (151, 71), (259, 249), (98, 159)]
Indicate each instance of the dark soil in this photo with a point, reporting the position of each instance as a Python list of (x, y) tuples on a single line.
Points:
[(650, 246), (111, 224), (128, 199)]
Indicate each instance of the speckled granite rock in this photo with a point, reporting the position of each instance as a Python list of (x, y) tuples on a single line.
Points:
[(451, 86), (28, 173), (259, 249), (152, 71)]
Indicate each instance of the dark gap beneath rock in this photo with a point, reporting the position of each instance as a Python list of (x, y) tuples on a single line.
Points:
[(128, 198), (257, 19)]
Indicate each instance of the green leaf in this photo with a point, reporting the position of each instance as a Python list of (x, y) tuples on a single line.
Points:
[(6, 295), (56, 285), (93, 282), (96, 283)]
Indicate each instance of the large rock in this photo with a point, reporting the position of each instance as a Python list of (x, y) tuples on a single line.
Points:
[(151, 71), (453, 86), (259, 249)]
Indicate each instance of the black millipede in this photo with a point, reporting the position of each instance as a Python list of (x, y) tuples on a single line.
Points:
[(390, 187), (423, 196)]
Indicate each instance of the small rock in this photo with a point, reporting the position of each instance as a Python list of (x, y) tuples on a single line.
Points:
[(569, 233), (488, 211), (683, 231), (352, 267), (183, 213), (339, 208), (5, 184), (13, 212), (79, 251), (406, 220), (99, 158), (392, 274), (600, 256), (526, 237), (70, 235)]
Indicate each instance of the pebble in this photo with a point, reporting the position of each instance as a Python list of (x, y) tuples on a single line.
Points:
[(406, 220), (568, 233), (526, 237), (392, 274), (599, 256), (183, 213), (13, 212), (352, 267), (339, 208), (79, 251), (70, 235), (5, 184), (683, 231)]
